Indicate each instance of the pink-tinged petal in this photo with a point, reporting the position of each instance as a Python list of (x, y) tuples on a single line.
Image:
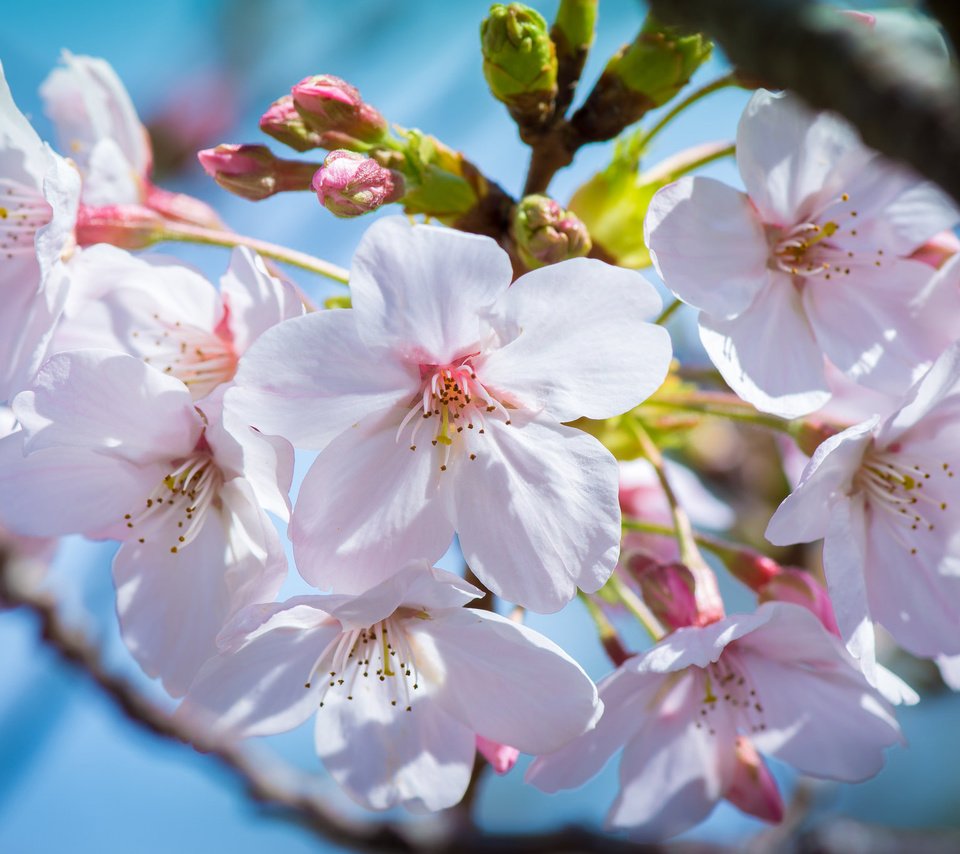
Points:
[(258, 685), (265, 462), (708, 245), (606, 362), (805, 514), (88, 103), (255, 300), (883, 326), (384, 756), (329, 380), (697, 646), (417, 586), (109, 402), (676, 769), (918, 605), (789, 385), (109, 178), (367, 506), (64, 490), (537, 513), (507, 682), (22, 155), (420, 289), (628, 699), (501, 757), (794, 160), (753, 789)]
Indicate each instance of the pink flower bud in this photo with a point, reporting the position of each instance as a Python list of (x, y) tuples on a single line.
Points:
[(753, 789), (750, 567), (126, 226), (937, 250), (253, 171), (501, 757), (546, 234), (286, 125), (669, 589), (329, 104), (801, 588), (350, 184)]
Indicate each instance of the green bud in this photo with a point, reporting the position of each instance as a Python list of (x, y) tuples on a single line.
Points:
[(440, 183), (520, 62), (576, 22), (660, 61), (546, 234)]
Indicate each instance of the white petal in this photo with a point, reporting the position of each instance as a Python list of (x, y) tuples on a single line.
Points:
[(509, 683), (22, 154), (950, 670), (367, 506), (108, 177), (603, 363), (310, 378), (697, 646), (537, 512), (708, 245), (111, 402), (805, 514), (254, 299), (384, 756), (420, 290), (768, 354)]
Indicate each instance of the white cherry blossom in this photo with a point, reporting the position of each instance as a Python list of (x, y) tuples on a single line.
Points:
[(810, 261), (402, 680), (438, 401)]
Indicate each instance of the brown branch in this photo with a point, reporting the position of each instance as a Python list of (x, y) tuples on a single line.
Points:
[(261, 783), (911, 113)]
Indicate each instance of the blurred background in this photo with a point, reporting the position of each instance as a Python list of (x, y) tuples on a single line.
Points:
[(75, 774)]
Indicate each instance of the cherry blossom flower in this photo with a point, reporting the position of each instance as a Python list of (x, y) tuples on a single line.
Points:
[(692, 712), (170, 316), (810, 261), (39, 193), (438, 403), (112, 448), (884, 497), (402, 680)]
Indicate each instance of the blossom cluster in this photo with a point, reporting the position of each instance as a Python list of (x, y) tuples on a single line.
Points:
[(500, 399)]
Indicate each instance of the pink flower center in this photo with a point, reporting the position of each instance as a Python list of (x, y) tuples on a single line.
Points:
[(378, 655), (904, 491), (176, 509), (23, 211), (455, 405)]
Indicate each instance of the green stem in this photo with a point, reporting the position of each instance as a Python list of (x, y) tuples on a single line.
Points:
[(711, 544), (746, 414), (686, 161), (184, 233), (692, 98), (609, 637), (636, 606), (668, 312)]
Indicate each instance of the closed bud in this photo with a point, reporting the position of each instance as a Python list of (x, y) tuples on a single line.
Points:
[(286, 125), (800, 588), (253, 171), (669, 589), (350, 184), (520, 62), (334, 109), (545, 233), (752, 788)]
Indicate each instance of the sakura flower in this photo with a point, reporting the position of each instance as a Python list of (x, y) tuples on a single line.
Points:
[(438, 403), (692, 712), (402, 680), (39, 194), (112, 448), (885, 499), (167, 314), (810, 261)]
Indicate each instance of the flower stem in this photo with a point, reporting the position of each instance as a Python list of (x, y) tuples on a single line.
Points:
[(692, 98), (184, 233), (636, 606), (606, 631), (668, 312)]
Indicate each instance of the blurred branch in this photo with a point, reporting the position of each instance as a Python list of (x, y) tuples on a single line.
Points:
[(907, 112), (264, 785)]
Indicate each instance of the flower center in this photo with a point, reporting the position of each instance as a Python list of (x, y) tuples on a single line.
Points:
[(23, 211), (902, 490), (379, 654), (176, 508), (199, 358), (455, 405), (728, 689)]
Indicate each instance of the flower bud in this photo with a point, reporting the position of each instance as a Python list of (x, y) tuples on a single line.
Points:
[(545, 233), (126, 226), (752, 788), (501, 757), (800, 588), (669, 589), (253, 172), (350, 184), (286, 125), (330, 105), (520, 62)]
